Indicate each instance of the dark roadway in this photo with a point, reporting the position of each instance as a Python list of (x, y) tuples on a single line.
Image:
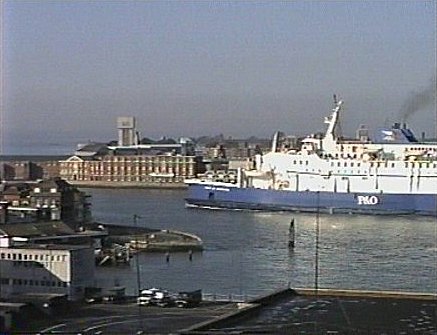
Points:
[(126, 318)]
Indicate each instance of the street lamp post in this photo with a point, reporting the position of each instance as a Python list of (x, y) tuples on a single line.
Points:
[(137, 264), (137, 261), (316, 266)]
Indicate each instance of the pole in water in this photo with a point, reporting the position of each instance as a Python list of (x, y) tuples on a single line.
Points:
[(167, 257), (190, 255), (291, 234)]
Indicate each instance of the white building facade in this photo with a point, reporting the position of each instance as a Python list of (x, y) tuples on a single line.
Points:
[(51, 269)]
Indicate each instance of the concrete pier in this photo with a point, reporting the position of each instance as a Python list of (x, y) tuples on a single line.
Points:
[(158, 241)]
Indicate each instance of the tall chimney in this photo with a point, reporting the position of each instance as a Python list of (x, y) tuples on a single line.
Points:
[(4, 212)]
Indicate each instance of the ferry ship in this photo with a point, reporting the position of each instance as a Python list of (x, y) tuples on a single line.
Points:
[(395, 174)]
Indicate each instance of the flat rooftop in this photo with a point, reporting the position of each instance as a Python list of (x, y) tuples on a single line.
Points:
[(70, 247), (304, 311)]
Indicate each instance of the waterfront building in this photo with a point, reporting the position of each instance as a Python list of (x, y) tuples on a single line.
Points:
[(63, 200), (52, 199), (46, 269), (139, 165), (236, 149), (129, 162), (29, 167)]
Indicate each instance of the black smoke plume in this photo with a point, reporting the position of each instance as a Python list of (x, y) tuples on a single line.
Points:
[(419, 100)]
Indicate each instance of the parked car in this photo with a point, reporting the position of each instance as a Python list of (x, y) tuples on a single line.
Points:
[(154, 297), (162, 298), (188, 299)]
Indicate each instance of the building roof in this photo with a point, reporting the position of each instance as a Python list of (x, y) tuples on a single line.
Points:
[(51, 246), (7, 188), (91, 149), (50, 228), (58, 183), (32, 158)]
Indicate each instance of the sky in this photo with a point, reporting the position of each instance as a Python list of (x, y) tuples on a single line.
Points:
[(195, 68)]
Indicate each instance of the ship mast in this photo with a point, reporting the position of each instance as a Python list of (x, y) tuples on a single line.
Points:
[(333, 120), (329, 139)]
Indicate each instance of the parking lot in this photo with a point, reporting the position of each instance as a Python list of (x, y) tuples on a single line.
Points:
[(126, 318)]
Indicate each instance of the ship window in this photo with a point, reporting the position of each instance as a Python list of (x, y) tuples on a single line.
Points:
[(345, 164), (300, 162), (338, 163), (352, 164), (358, 164), (306, 162), (294, 162)]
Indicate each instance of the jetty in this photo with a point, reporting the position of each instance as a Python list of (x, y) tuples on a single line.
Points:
[(160, 241), (122, 241)]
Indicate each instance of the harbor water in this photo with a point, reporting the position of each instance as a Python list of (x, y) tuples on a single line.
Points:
[(246, 253)]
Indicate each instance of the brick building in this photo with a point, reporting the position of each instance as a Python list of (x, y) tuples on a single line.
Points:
[(133, 169), (27, 167)]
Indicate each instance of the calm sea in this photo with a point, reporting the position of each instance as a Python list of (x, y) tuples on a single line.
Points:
[(246, 252)]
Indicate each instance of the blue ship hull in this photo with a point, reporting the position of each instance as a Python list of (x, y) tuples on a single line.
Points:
[(275, 200)]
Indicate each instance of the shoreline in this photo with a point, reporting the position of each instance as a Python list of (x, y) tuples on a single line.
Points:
[(129, 185)]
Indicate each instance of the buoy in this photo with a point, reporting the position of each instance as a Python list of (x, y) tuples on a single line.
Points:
[(291, 234)]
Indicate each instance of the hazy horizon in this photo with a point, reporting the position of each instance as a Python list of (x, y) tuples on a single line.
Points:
[(206, 68)]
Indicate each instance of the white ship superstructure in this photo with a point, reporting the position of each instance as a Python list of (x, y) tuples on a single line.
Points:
[(396, 175), (329, 164)]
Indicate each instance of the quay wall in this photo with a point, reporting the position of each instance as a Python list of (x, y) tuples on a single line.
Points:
[(366, 294), (120, 184)]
